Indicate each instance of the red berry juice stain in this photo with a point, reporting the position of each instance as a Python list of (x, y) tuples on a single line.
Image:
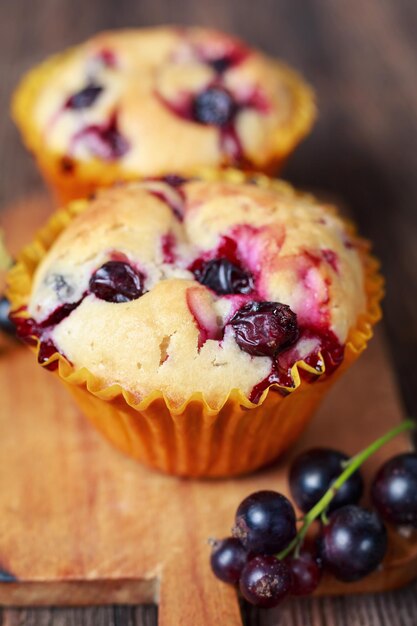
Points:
[(332, 259), (232, 55), (107, 57), (103, 141), (173, 196), (32, 332), (168, 244)]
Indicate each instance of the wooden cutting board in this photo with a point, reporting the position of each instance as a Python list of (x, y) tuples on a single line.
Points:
[(82, 524)]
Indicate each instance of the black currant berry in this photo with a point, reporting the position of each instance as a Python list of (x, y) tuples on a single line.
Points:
[(224, 277), (84, 98), (116, 281), (313, 472), (214, 106), (6, 325), (265, 581), (353, 543), (264, 328), (265, 522), (306, 574), (394, 490), (228, 558)]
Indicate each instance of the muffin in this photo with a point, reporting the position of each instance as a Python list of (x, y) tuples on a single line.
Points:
[(145, 102), (199, 322)]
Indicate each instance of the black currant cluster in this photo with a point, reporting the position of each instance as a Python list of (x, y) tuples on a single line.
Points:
[(270, 559)]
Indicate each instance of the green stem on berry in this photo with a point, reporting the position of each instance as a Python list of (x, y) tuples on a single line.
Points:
[(324, 518), (351, 467)]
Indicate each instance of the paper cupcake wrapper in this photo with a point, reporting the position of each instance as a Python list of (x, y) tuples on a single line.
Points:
[(87, 176), (196, 439)]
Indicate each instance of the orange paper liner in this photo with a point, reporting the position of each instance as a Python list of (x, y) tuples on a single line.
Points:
[(87, 176), (195, 438)]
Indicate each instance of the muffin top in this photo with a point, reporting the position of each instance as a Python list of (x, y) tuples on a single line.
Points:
[(203, 286), (151, 98)]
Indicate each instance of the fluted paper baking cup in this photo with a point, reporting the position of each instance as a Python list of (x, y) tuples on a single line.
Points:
[(194, 438)]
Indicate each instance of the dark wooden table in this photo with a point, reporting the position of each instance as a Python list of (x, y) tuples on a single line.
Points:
[(361, 57)]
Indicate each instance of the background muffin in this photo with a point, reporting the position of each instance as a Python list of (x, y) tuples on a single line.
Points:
[(146, 102), (180, 305)]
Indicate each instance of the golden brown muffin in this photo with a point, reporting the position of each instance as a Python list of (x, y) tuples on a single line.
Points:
[(147, 102), (214, 294)]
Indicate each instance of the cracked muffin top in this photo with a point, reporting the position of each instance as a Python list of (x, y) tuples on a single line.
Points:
[(185, 286)]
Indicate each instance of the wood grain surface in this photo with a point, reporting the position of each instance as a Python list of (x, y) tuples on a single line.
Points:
[(83, 524), (361, 58)]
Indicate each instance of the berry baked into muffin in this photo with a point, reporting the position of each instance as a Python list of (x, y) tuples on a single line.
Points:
[(197, 322), (146, 102)]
